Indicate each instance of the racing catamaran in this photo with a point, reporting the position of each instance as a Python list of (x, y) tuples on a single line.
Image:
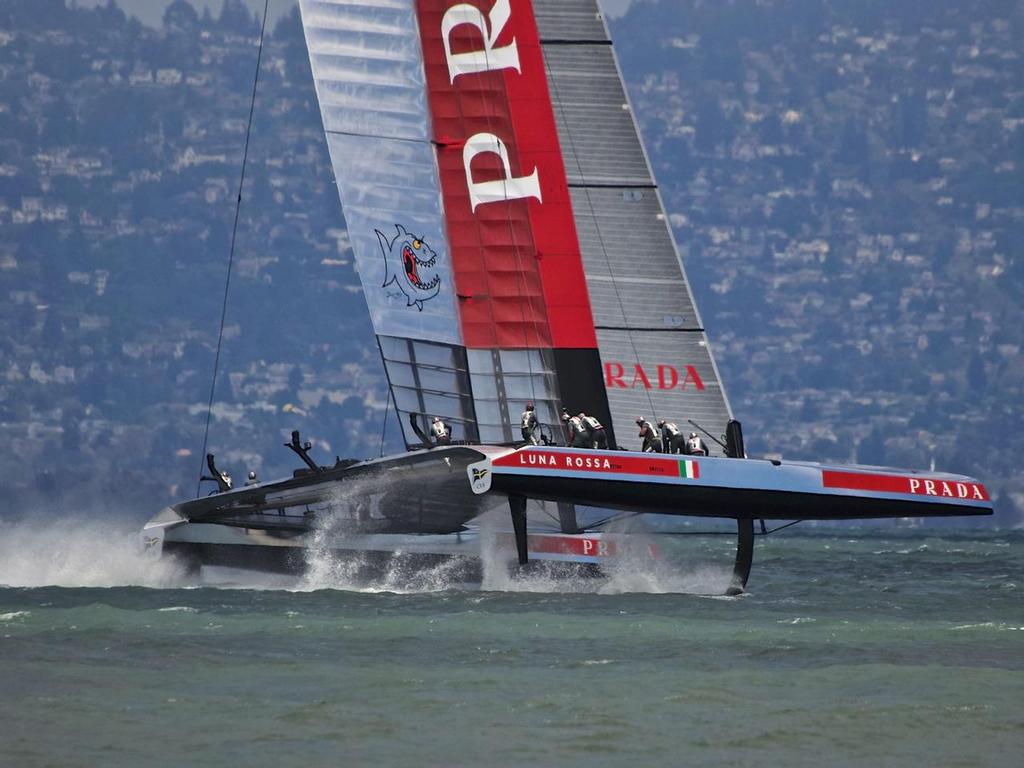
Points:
[(512, 248)]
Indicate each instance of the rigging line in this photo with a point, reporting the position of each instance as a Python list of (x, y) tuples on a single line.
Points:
[(384, 429), (779, 528), (543, 508), (692, 533), (520, 277), (438, 148), (231, 251), (597, 231), (520, 272), (614, 518), (525, 294)]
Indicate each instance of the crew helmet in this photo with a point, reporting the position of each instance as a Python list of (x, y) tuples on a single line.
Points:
[(639, 420), (693, 434), (252, 475), (661, 422), (529, 406), (437, 419)]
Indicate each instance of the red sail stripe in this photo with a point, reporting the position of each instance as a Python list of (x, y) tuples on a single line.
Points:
[(491, 246), (552, 221), (516, 262)]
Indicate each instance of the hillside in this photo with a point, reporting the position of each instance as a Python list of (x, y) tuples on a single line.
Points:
[(846, 183), (845, 186)]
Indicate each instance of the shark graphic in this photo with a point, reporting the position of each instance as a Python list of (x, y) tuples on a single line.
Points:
[(410, 264)]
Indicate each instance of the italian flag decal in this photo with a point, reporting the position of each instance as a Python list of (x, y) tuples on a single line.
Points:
[(689, 469)]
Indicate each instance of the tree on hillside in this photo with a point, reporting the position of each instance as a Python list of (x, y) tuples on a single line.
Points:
[(236, 19), (180, 16)]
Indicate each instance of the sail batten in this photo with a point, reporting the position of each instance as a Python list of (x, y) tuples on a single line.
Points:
[(596, 130)]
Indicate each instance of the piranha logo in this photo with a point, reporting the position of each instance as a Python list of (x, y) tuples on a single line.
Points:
[(410, 264)]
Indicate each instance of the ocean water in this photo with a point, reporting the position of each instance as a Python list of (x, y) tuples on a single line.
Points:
[(867, 647)]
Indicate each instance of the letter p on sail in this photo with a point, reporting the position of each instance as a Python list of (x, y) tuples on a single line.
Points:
[(491, 57), (508, 188)]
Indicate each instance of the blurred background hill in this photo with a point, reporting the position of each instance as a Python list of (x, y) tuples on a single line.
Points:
[(845, 182)]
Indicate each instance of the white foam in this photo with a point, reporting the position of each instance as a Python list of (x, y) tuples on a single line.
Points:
[(325, 569), (98, 551), (634, 570), (75, 551)]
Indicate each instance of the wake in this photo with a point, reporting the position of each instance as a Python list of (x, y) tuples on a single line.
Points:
[(90, 551), (76, 551), (633, 572)]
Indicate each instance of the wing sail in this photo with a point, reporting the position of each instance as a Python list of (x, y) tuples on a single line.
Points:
[(507, 230)]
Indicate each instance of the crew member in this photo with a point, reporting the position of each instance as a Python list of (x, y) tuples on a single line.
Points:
[(695, 446), (225, 477), (595, 430), (440, 432), (578, 437), (652, 438), (251, 480), (528, 425), (671, 438)]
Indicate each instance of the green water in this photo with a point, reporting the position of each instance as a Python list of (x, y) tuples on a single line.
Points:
[(868, 648)]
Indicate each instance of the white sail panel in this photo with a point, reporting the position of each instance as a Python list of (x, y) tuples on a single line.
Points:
[(368, 70), (569, 20), (390, 198), (599, 140), (367, 67)]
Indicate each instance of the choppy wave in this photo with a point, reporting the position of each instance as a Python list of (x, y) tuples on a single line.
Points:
[(93, 551), (633, 572)]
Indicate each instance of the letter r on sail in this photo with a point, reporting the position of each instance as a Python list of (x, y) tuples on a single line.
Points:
[(491, 57), (508, 188)]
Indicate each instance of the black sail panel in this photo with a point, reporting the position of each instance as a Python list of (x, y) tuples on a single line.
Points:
[(654, 352)]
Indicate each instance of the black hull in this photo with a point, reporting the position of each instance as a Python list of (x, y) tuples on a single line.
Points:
[(423, 492), (711, 501)]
